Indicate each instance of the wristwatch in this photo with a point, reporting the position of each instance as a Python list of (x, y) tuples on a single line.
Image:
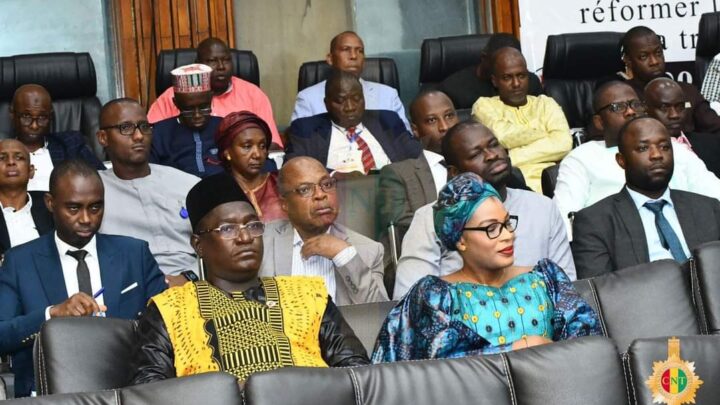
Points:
[(190, 275)]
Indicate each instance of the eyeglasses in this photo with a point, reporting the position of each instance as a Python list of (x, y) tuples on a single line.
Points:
[(27, 120), (622, 106), (307, 190), (253, 229), (189, 113), (128, 128), (495, 229)]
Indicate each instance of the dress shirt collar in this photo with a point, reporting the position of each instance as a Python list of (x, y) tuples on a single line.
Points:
[(433, 158), (359, 128), (41, 151), (641, 199), (22, 210), (297, 240), (90, 247)]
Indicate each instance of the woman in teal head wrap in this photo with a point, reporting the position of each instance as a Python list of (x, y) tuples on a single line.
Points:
[(489, 305)]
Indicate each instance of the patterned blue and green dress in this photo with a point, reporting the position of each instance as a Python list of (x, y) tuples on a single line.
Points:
[(439, 319)]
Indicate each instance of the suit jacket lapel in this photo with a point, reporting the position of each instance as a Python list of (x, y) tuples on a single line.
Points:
[(49, 268), (627, 212), (424, 175), (283, 249), (110, 275), (372, 123), (684, 212), (40, 214), (4, 235), (322, 135)]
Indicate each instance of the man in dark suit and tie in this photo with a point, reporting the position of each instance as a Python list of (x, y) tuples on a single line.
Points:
[(71, 272), (646, 220), (23, 216), (349, 138)]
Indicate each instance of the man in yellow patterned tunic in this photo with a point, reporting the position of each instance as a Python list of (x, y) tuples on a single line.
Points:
[(233, 321)]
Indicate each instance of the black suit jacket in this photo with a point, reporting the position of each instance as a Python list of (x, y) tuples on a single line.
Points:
[(609, 234), (310, 136), (71, 145), (41, 216)]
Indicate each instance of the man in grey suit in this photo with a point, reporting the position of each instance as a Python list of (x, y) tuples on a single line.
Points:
[(311, 243), (646, 220), (407, 185)]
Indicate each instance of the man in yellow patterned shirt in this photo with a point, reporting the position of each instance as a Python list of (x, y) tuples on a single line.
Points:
[(533, 129), (233, 321)]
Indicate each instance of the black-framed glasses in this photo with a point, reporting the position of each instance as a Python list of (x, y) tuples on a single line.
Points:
[(190, 112), (495, 229), (128, 128), (306, 190), (253, 229), (27, 119), (622, 106)]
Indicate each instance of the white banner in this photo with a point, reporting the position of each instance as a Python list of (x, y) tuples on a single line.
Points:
[(675, 21)]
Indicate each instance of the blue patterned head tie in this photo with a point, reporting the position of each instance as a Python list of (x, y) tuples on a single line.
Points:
[(455, 205)]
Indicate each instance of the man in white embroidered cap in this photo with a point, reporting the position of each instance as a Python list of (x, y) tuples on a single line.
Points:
[(186, 141)]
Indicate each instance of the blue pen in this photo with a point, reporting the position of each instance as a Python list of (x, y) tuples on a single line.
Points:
[(99, 292)]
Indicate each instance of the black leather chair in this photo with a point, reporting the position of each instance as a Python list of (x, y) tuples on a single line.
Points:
[(69, 78), (706, 263), (648, 300), (573, 65), (547, 374), (700, 350), (245, 66), (83, 354), (548, 179), (206, 389), (708, 44), (441, 57), (380, 70), (366, 320)]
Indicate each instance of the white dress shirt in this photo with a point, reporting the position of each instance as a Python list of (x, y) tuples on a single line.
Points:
[(655, 249), (437, 168), (20, 224), (341, 148), (69, 269), (318, 265), (590, 173), (43, 167)]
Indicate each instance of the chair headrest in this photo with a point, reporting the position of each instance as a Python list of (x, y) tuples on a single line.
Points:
[(441, 57), (64, 74), (584, 55), (245, 66), (379, 70), (708, 44)]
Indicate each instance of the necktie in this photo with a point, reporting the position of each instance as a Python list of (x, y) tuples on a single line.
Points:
[(367, 158), (668, 237), (83, 273)]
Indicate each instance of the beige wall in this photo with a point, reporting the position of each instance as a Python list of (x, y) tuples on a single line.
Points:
[(284, 34)]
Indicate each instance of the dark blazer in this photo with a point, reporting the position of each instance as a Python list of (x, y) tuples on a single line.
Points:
[(31, 279), (41, 216), (310, 136), (609, 234), (71, 145)]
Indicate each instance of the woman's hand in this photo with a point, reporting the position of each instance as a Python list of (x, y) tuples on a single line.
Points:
[(530, 341)]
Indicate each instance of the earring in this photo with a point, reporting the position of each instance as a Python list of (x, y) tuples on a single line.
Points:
[(228, 157), (201, 268), (462, 247)]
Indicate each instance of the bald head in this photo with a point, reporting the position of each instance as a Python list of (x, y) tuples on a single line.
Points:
[(15, 168), (432, 114), (308, 196), (216, 54), (510, 76), (347, 52), (31, 113), (665, 101), (292, 168), (108, 111)]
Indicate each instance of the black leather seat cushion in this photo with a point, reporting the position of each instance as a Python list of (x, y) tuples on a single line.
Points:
[(69, 78), (644, 301), (245, 66), (441, 57), (206, 389), (549, 374), (573, 65), (366, 320), (379, 70), (701, 350), (706, 265), (83, 354), (548, 179), (708, 44)]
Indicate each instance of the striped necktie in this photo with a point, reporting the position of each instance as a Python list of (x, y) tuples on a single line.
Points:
[(367, 158)]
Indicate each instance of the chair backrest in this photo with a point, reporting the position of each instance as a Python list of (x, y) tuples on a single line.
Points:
[(708, 44), (548, 179), (706, 263), (702, 351), (357, 199), (69, 78), (366, 320), (245, 66), (648, 300), (206, 389), (549, 374), (83, 354), (573, 65), (441, 57), (379, 70)]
